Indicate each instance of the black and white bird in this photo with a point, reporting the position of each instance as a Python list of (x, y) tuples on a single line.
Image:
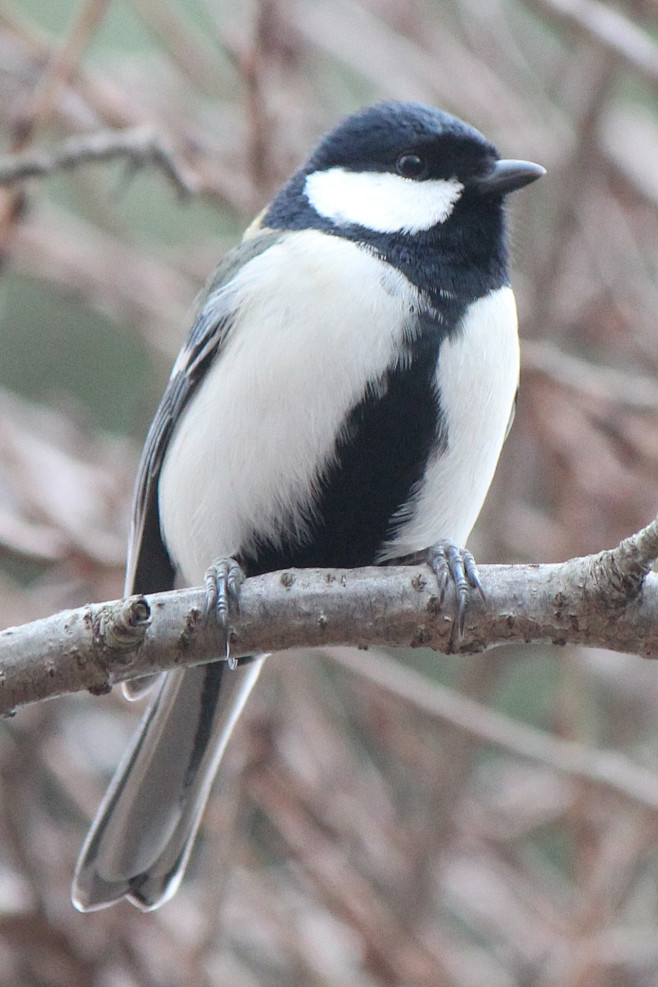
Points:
[(342, 400)]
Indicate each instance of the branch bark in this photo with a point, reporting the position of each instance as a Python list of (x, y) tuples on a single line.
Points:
[(609, 600)]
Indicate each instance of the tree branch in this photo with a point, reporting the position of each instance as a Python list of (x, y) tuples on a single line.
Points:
[(609, 600), (140, 145)]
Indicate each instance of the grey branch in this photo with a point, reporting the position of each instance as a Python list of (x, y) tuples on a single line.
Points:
[(139, 145), (609, 600)]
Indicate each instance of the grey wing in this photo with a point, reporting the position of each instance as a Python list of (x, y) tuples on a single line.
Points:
[(149, 567)]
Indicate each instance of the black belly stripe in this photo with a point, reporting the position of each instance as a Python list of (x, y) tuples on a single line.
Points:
[(380, 460)]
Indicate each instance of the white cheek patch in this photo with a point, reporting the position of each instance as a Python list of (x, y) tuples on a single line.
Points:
[(381, 201)]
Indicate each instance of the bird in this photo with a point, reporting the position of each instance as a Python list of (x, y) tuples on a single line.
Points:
[(341, 401)]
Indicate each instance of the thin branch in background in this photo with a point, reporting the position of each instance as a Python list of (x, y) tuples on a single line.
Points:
[(187, 48), (139, 145), (584, 377), (120, 280), (605, 769), (611, 29), (40, 105), (61, 69), (254, 66), (100, 97)]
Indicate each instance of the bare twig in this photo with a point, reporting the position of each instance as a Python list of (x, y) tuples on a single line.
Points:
[(413, 961), (188, 49), (60, 70), (583, 377), (140, 145)]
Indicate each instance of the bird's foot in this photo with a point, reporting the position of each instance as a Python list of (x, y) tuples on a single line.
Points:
[(223, 580), (449, 562)]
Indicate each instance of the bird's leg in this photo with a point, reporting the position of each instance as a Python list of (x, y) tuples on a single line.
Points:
[(223, 580), (450, 562)]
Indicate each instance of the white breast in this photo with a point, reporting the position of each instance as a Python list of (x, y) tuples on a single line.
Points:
[(477, 376), (317, 317)]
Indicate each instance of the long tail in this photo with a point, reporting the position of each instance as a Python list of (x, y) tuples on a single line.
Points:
[(141, 838)]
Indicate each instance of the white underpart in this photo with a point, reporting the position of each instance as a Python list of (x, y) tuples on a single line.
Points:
[(477, 377), (381, 201), (317, 317)]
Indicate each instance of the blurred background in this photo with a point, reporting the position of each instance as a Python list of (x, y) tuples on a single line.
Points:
[(401, 819)]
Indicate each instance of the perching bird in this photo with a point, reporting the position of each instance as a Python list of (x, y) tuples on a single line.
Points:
[(342, 400)]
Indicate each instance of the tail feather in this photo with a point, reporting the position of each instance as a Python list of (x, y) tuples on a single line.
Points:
[(141, 838)]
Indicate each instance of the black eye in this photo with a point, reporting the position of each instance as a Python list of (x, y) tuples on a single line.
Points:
[(411, 166)]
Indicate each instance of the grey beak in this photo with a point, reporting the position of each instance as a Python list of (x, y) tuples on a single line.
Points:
[(507, 176)]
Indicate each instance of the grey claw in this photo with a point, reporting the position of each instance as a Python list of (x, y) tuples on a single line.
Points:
[(451, 563), (223, 580), (472, 573)]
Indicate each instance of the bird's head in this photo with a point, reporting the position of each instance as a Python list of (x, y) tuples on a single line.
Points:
[(397, 168)]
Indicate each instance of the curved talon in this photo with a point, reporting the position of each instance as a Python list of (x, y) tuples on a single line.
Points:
[(223, 580), (438, 561), (449, 562), (472, 573), (210, 582), (234, 580)]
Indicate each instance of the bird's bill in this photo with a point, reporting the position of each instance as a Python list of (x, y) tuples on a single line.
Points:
[(508, 175)]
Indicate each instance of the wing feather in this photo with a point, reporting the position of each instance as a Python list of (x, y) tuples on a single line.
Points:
[(149, 568)]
